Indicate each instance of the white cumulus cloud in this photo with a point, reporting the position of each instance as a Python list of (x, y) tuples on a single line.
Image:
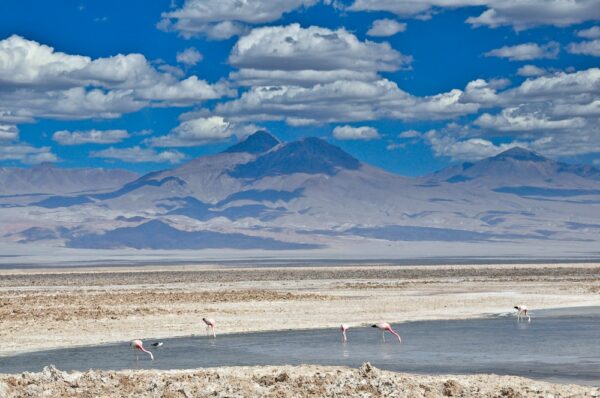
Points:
[(591, 33), (591, 47), (137, 154), (222, 19), (520, 14), (526, 51), (26, 153), (446, 145), (283, 54), (201, 131), (409, 134), (342, 101), (531, 71), (65, 137), (8, 132), (386, 27), (409, 8), (364, 133), (189, 56), (523, 119), (42, 82), (530, 13), (557, 114)]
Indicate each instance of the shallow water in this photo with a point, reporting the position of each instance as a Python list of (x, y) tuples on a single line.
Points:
[(558, 345)]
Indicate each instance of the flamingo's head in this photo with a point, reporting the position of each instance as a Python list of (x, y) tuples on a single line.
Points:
[(373, 326), (516, 307)]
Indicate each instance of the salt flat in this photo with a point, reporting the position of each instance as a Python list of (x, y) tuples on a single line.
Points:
[(42, 309)]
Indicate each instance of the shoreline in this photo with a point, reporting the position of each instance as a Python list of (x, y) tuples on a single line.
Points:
[(42, 310), (300, 329), (274, 263)]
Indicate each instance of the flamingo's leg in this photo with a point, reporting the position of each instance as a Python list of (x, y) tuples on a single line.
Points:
[(383, 336)]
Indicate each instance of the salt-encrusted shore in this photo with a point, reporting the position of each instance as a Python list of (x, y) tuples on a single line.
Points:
[(277, 381)]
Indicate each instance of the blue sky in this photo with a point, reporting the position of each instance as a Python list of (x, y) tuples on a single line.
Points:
[(409, 87)]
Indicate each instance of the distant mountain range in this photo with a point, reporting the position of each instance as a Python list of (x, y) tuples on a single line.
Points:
[(518, 166), (303, 195), (48, 179)]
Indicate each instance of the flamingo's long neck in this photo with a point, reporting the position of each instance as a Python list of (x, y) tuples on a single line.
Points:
[(147, 352), (395, 334)]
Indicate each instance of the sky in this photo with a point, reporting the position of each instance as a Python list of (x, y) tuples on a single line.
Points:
[(409, 86)]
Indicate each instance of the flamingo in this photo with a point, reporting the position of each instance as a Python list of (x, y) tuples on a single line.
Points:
[(210, 325), (138, 345), (384, 326), (522, 311), (343, 329)]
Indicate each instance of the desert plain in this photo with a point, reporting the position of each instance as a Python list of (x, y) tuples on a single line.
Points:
[(51, 308)]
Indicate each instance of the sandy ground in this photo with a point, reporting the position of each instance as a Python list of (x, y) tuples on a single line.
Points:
[(280, 381), (59, 308)]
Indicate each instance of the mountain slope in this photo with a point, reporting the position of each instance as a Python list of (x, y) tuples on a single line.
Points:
[(49, 179)]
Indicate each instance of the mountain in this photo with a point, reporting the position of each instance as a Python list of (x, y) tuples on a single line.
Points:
[(310, 195), (309, 155), (158, 235), (518, 167), (256, 143), (48, 179), (211, 179)]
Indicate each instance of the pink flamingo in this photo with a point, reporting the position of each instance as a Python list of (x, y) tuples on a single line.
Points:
[(343, 329), (384, 326), (210, 325), (138, 345), (522, 311)]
